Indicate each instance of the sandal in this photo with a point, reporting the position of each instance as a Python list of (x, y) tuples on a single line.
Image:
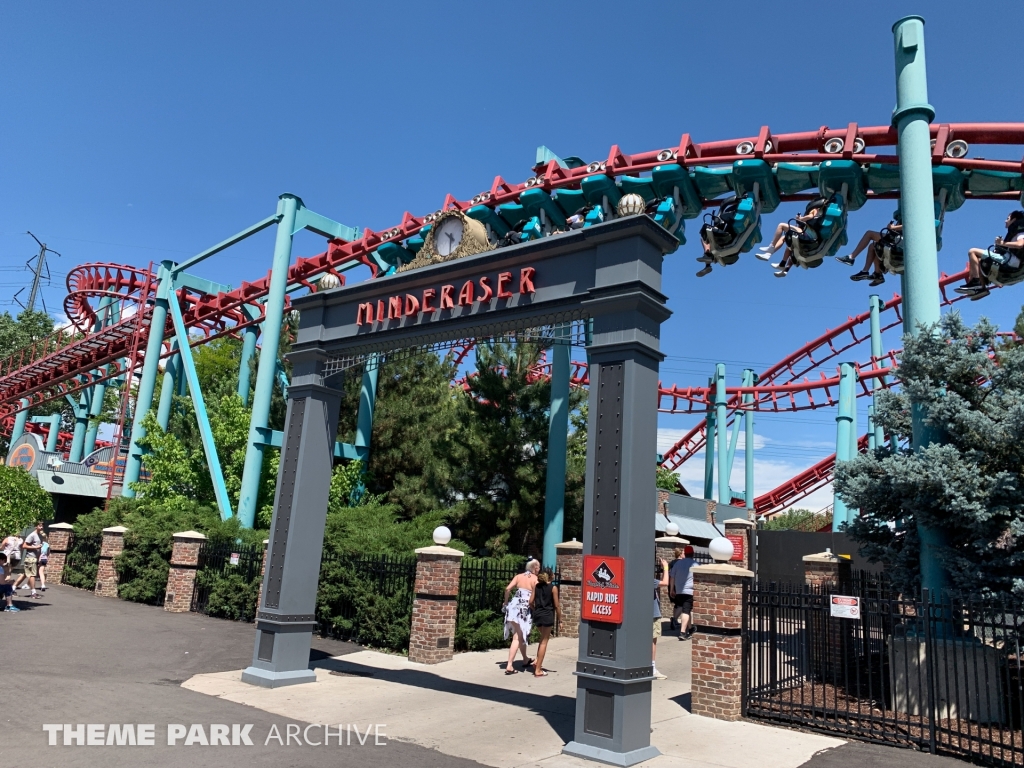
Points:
[(542, 674), (511, 671)]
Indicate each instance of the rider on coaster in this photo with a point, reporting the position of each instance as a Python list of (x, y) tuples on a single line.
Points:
[(1007, 252), (890, 236), (807, 223), (718, 231)]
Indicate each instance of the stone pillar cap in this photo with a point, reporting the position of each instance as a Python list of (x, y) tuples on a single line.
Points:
[(61, 527), (438, 550), (723, 570), (739, 521), (265, 542), (824, 557), (115, 529), (188, 535), (671, 540), (570, 545)]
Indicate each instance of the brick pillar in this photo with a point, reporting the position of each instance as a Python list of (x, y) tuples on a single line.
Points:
[(830, 640), (740, 527), (709, 511), (181, 578), (106, 573), (569, 564), (432, 639), (59, 536), (663, 502), (665, 547), (717, 653)]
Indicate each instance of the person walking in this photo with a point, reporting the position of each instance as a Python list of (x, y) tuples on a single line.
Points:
[(31, 548), (518, 621), (11, 546), (6, 586), (44, 558), (660, 580), (680, 589), (545, 608)]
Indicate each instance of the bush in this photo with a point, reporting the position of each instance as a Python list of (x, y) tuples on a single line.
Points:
[(232, 596), (349, 606), (480, 631), (83, 559), (22, 501)]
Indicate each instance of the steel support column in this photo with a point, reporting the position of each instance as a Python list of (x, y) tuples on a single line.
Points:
[(721, 419), (748, 443), (20, 420), (844, 430), (249, 336), (875, 305), (81, 411), (911, 117), (99, 392), (558, 436), (709, 452), (267, 369), (172, 369), (147, 384)]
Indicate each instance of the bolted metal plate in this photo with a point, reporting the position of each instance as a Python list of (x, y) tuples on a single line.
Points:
[(601, 640), (608, 459), (266, 647), (599, 713), (283, 516)]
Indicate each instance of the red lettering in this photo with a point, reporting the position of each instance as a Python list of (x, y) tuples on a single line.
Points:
[(380, 310), (446, 297), (503, 280), (526, 280), (466, 294), (412, 304), (428, 294), (485, 286), (395, 308), (364, 314)]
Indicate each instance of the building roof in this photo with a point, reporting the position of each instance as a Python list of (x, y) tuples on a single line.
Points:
[(688, 527), (73, 484)]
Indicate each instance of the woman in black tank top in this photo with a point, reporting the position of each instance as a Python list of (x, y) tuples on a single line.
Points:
[(545, 608)]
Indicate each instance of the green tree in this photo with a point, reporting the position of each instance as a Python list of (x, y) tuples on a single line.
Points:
[(969, 484), (18, 334), (666, 479), (798, 520), (22, 501)]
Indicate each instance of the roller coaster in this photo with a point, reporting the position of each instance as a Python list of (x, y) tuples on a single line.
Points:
[(123, 319)]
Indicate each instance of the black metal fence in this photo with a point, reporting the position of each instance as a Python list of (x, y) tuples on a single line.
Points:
[(343, 611), (940, 675), (82, 560), (227, 580), (482, 583)]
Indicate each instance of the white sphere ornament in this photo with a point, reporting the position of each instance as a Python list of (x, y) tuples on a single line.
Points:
[(327, 282), (671, 529), (721, 549), (631, 205), (442, 536)]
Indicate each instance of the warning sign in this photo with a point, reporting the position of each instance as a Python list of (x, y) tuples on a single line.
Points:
[(739, 547), (845, 607), (604, 586)]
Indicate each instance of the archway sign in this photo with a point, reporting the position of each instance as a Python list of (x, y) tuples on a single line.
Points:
[(605, 278)]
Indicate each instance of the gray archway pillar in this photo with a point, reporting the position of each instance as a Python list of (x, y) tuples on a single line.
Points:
[(285, 619)]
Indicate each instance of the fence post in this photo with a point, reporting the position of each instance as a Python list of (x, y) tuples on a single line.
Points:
[(181, 578), (826, 569), (744, 528), (569, 564), (106, 572), (60, 542), (434, 611), (665, 548), (717, 654)]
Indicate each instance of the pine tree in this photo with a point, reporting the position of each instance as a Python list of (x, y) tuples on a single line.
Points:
[(970, 484)]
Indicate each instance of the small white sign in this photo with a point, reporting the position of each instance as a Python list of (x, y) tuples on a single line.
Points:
[(845, 607), (234, 558)]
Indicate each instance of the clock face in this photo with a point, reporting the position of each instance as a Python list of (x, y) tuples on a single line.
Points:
[(447, 236)]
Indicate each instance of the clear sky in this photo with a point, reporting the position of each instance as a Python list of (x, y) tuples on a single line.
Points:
[(134, 132)]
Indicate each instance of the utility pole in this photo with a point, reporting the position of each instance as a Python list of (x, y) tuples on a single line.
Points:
[(38, 269)]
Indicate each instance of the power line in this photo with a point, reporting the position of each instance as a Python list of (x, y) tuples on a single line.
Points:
[(37, 269)]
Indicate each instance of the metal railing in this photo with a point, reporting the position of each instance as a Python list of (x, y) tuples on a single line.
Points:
[(343, 578), (227, 580), (944, 675)]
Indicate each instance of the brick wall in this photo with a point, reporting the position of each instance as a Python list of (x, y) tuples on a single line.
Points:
[(106, 573), (181, 577), (569, 564), (717, 653), (432, 639), (59, 536)]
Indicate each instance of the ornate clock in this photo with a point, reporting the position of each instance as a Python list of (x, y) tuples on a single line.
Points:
[(453, 236)]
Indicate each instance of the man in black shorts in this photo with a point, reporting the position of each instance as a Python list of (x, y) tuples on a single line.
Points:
[(680, 589)]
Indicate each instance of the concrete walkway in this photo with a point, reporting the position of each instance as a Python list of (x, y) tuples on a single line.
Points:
[(467, 708)]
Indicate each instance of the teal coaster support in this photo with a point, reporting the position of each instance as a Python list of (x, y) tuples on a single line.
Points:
[(172, 370), (722, 433), (558, 437), (188, 367), (249, 337), (20, 420), (147, 383), (912, 117), (53, 431), (748, 442), (80, 410), (266, 371), (846, 440), (709, 452), (877, 436)]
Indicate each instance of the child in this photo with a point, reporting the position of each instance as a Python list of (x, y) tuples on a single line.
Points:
[(6, 577)]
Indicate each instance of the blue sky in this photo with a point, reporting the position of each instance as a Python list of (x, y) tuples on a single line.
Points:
[(132, 132)]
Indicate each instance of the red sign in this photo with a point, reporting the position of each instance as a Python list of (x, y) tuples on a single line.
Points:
[(604, 587), (430, 300), (739, 546)]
